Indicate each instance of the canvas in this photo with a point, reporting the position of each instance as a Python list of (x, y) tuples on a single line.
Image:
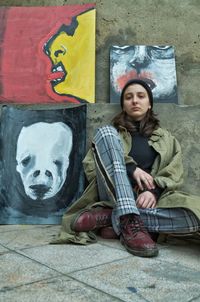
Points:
[(154, 64), (41, 163), (47, 54)]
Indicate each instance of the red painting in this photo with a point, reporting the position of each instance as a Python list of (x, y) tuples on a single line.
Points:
[(47, 54)]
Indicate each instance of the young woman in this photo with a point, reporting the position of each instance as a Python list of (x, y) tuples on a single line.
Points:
[(134, 169)]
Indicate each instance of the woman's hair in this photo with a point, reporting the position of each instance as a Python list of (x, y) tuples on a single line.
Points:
[(147, 125)]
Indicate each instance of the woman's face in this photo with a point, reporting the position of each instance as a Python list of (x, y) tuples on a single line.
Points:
[(136, 102)]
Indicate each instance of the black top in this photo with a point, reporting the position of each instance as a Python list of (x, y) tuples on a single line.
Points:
[(144, 155)]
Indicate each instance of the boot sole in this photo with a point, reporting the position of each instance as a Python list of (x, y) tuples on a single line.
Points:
[(141, 253)]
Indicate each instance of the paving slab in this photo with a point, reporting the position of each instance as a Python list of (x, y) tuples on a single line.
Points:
[(113, 243), (3, 250), (17, 270), (150, 279), (57, 289), (28, 237), (21, 227), (184, 253), (68, 258)]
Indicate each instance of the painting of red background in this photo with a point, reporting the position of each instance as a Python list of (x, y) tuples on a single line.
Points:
[(22, 61)]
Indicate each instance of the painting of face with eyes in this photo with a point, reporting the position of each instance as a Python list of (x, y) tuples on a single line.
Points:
[(41, 156), (47, 54), (154, 64), (43, 167)]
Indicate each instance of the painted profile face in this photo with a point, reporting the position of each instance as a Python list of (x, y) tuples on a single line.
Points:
[(34, 40), (136, 102), (43, 151), (154, 64), (72, 62)]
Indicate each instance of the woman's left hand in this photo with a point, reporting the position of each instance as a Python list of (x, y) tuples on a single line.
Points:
[(146, 200)]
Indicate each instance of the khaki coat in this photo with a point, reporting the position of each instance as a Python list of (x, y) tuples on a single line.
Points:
[(167, 172)]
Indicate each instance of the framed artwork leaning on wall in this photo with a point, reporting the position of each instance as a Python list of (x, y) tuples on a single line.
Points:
[(41, 163), (155, 64)]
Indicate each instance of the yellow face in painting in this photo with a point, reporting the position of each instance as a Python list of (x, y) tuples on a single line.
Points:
[(72, 53)]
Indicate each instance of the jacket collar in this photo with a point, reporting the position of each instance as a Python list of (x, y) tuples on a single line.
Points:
[(154, 137), (157, 134)]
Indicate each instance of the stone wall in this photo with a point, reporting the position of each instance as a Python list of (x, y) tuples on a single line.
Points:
[(148, 22), (145, 22), (182, 121)]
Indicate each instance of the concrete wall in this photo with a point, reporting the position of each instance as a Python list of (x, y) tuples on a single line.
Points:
[(150, 22), (182, 121), (174, 22)]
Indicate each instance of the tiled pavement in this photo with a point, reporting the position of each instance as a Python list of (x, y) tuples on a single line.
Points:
[(33, 270)]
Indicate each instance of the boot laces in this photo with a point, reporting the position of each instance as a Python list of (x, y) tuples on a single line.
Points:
[(135, 225), (102, 220)]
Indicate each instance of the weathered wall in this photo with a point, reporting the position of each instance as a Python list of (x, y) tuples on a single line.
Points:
[(150, 22), (174, 22), (182, 121)]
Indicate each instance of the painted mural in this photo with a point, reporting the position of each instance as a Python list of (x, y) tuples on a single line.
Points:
[(47, 54), (154, 64), (41, 163)]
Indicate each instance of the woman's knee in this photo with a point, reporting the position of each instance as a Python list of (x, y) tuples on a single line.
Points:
[(107, 131)]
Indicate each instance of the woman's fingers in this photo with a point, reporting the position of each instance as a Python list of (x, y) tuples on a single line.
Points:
[(148, 183), (143, 179), (139, 183), (146, 200)]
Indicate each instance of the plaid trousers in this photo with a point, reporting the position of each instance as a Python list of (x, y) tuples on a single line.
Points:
[(113, 184)]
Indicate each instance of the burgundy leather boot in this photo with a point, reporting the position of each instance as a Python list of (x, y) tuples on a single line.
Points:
[(135, 237), (108, 233), (92, 219)]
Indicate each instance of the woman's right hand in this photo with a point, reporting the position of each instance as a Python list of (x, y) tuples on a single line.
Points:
[(143, 179)]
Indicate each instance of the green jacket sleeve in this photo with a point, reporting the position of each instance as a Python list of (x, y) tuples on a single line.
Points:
[(168, 167)]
